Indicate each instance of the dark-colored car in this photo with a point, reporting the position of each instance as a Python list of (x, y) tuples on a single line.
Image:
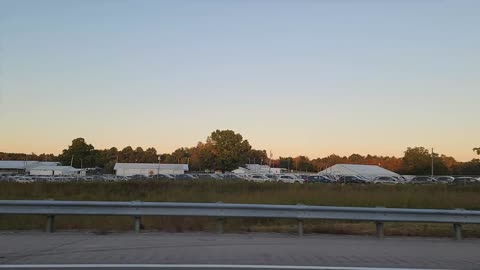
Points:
[(421, 180), (137, 177), (317, 179), (464, 180), (352, 179), (184, 177), (161, 176), (445, 179)]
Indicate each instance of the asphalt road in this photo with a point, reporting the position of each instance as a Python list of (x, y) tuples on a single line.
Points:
[(18, 248)]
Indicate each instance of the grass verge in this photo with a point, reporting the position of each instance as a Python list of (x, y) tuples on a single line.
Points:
[(401, 196)]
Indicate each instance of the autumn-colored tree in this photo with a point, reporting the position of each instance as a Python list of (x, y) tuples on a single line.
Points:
[(202, 157)]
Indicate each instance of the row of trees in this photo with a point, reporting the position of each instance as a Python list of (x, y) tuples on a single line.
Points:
[(226, 150)]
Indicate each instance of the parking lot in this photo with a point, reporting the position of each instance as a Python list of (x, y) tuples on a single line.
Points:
[(291, 178)]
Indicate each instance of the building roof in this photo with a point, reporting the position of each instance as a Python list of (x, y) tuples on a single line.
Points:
[(357, 169), (54, 168), (257, 167), (20, 164), (150, 166)]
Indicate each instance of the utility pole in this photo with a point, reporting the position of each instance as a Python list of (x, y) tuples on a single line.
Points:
[(71, 161), (432, 161), (159, 158)]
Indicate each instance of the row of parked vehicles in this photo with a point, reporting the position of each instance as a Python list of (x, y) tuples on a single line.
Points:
[(256, 177), (358, 179)]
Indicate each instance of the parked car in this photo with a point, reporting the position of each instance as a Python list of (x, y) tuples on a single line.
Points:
[(185, 176), (162, 176), (400, 179), (257, 178), (23, 179), (217, 176), (318, 179), (137, 177), (386, 180), (352, 179), (464, 180), (272, 177), (289, 178), (422, 180), (121, 178), (444, 179)]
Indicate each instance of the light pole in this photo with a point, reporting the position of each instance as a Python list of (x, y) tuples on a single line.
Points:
[(159, 159), (432, 161)]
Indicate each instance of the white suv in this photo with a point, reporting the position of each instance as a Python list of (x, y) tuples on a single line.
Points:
[(289, 178), (257, 178)]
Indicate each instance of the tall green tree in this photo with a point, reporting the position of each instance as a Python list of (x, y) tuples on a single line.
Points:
[(257, 157), (229, 149), (286, 162), (150, 155), (302, 163), (180, 155), (418, 161), (82, 153), (126, 155)]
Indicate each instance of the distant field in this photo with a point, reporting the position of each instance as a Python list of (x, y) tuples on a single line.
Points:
[(402, 196)]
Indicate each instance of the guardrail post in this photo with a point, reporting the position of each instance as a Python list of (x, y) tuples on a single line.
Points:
[(379, 230), (219, 226), (50, 223), (219, 223), (457, 228), (300, 227), (137, 222), (300, 221)]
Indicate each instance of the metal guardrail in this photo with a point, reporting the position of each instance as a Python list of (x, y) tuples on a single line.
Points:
[(300, 212)]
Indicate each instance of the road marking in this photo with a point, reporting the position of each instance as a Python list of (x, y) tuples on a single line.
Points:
[(231, 266)]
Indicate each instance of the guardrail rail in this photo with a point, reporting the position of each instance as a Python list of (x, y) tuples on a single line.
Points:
[(299, 212)]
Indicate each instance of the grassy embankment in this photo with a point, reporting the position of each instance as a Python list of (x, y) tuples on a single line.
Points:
[(402, 196)]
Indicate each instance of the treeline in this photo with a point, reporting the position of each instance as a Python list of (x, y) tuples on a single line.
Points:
[(226, 150)]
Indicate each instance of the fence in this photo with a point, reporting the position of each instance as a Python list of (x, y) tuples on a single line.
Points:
[(299, 212)]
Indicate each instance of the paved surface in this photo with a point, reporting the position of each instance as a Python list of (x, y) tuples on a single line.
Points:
[(254, 249)]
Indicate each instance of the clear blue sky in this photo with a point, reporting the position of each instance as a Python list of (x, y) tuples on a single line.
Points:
[(294, 77)]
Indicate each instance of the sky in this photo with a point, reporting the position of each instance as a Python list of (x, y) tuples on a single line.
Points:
[(294, 77)]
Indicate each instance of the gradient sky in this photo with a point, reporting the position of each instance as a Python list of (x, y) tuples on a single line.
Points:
[(294, 77)]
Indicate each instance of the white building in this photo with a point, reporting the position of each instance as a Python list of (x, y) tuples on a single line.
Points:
[(257, 168), (129, 169), (22, 166), (57, 170), (367, 171)]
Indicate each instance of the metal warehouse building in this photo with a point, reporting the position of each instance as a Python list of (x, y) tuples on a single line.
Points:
[(257, 168), (367, 171), (22, 166), (57, 170), (129, 169)]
